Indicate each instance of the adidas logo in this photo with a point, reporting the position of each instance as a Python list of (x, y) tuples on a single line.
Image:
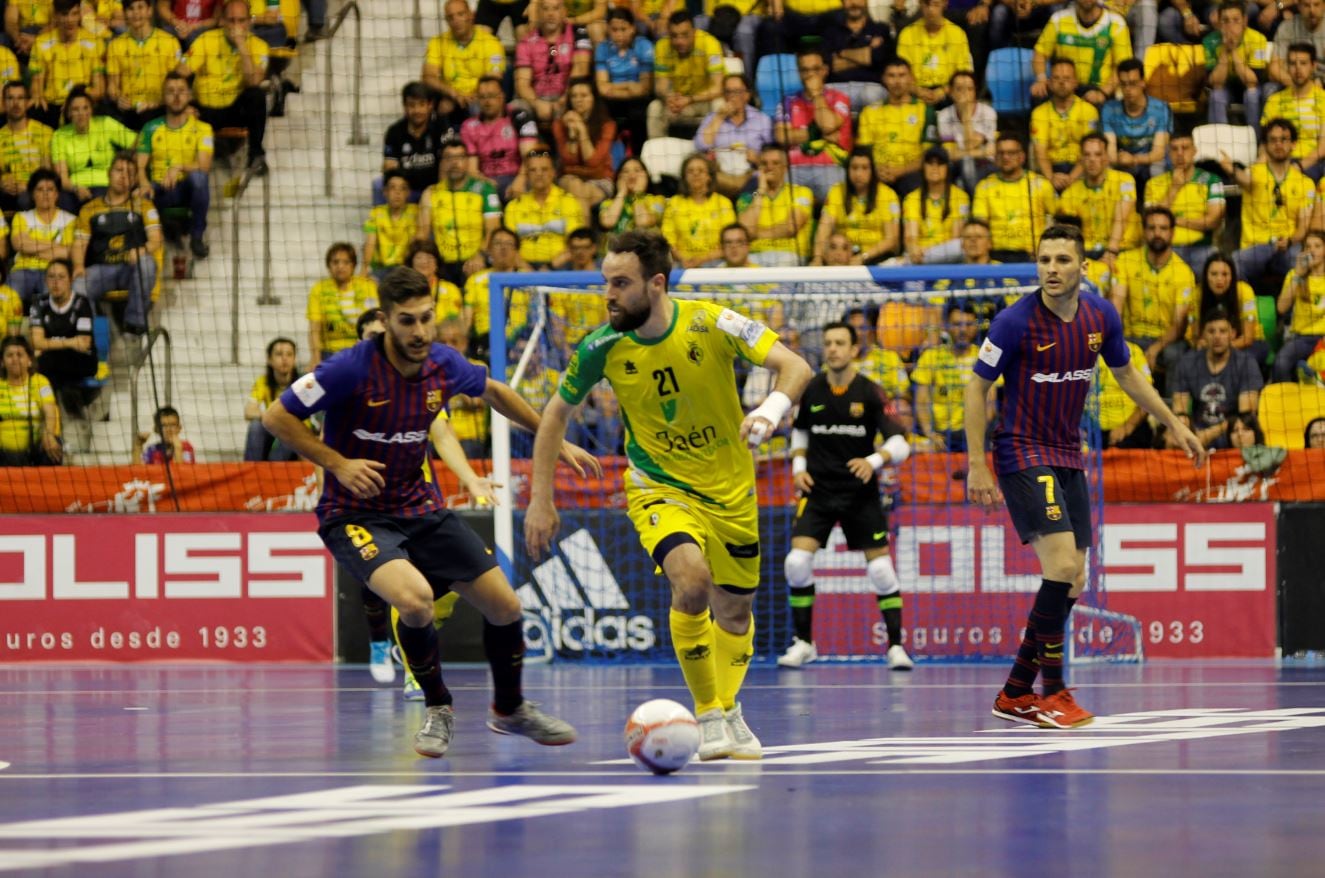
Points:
[(574, 604)]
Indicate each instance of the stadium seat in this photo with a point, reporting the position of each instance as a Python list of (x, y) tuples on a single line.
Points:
[(663, 156), (1268, 314), (1285, 410), (775, 78), (1009, 77), (1176, 75), (1238, 141)]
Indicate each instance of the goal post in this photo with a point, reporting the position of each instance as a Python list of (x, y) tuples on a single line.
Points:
[(966, 579)]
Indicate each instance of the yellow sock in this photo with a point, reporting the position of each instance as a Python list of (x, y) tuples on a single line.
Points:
[(732, 654), (442, 608), (692, 638)]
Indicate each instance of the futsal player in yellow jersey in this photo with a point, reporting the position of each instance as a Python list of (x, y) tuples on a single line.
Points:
[(690, 488)]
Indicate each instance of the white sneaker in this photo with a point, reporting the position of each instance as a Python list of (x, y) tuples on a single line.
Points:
[(898, 660), (715, 740), (744, 743), (379, 664), (801, 652)]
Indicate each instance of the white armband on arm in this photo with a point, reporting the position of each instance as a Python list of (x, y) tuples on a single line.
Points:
[(897, 447), (773, 410), (800, 441)]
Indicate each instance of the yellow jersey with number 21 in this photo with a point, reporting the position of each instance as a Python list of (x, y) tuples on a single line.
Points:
[(677, 397)]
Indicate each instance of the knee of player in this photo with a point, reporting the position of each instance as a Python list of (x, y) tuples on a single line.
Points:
[(882, 575), (415, 613), (799, 568), (1066, 571), (690, 592), (505, 609)]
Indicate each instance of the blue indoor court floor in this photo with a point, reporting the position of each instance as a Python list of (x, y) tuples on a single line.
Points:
[(1205, 769)]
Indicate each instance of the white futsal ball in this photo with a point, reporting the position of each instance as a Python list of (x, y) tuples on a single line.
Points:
[(662, 736)]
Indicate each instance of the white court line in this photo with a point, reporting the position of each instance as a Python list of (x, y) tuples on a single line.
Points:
[(667, 687), (751, 768)]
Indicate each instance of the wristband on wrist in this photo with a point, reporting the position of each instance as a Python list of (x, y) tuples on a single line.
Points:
[(875, 460), (798, 464)]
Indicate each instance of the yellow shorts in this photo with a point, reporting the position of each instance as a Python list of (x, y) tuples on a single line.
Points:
[(729, 538)]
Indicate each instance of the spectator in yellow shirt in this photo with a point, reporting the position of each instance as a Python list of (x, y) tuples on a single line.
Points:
[(1058, 124), (389, 228), (64, 57), (940, 378), (778, 214), (230, 63), (1303, 104), (335, 303), (1152, 291), (1303, 296), (936, 49), (687, 76), (1016, 203), (544, 215), (863, 209), (1277, 204), (695, 216), (899, 130), (137, 62), (1236, 59), (934, 214), (175, 158), (25, 146), (459, 58)]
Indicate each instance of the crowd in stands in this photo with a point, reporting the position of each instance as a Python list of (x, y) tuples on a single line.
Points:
[(885, 148), (113, 113)]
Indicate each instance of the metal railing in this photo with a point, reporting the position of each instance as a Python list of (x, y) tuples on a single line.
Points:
[(357, 137), (241, 186), (145, 361)]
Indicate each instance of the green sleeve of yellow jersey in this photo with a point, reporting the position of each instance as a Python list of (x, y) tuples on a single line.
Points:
[(586, 364)]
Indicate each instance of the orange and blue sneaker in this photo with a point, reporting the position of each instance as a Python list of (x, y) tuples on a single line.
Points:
[(1022, 709), (1061, 711)]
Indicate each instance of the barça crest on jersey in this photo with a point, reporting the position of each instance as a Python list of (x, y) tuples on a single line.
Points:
[(857, 410), (1053, 513), (695, 354), (433, 401), (1094, 340), (368, 552)]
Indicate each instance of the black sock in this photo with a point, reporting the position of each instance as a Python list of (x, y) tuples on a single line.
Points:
[(377, 613), (1050, 613), (1026, 667), (504, 645), (420, 648), (891, 607), (802, 611)]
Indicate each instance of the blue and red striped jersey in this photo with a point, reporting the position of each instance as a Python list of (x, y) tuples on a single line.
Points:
[(375, 413), (1048, 367)]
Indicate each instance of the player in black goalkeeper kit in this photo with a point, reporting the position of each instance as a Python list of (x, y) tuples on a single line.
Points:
[(835, 465)]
